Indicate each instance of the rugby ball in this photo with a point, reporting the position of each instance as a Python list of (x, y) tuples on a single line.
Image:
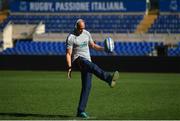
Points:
[(109, 45)]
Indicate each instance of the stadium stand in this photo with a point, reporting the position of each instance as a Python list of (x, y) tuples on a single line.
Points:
[(58, 48), (121, 23), (95, 23), (29, 47), (174, 51), (166, 24)]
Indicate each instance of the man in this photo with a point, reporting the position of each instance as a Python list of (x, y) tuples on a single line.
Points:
[(77, 44)]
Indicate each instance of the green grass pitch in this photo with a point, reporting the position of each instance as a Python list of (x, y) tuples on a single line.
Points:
[(50, 95)]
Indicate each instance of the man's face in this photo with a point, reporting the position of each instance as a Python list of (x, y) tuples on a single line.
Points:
[(80, 27)]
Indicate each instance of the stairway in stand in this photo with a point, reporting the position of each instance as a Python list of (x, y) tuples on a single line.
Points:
[(146, 23), (3, 15)]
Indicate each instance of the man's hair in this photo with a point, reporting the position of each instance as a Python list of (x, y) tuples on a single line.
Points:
[(77, 22)]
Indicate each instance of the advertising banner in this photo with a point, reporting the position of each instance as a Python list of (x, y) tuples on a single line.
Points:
[(78, 6), (169, 5)]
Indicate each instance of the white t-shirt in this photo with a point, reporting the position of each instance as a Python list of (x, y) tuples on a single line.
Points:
[(79, 45)]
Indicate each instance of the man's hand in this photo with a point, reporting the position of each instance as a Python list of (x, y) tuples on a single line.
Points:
[(69, 73)]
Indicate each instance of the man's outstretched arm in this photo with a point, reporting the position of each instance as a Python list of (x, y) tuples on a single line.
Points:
[(96, 47)]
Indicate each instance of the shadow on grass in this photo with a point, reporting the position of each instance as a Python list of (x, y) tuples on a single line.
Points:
[(36, 115)]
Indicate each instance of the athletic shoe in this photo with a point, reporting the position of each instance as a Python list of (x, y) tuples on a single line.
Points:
[(83, 115), (114, 79)]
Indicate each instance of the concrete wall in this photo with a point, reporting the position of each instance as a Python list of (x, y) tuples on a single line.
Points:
[(110, 63)]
